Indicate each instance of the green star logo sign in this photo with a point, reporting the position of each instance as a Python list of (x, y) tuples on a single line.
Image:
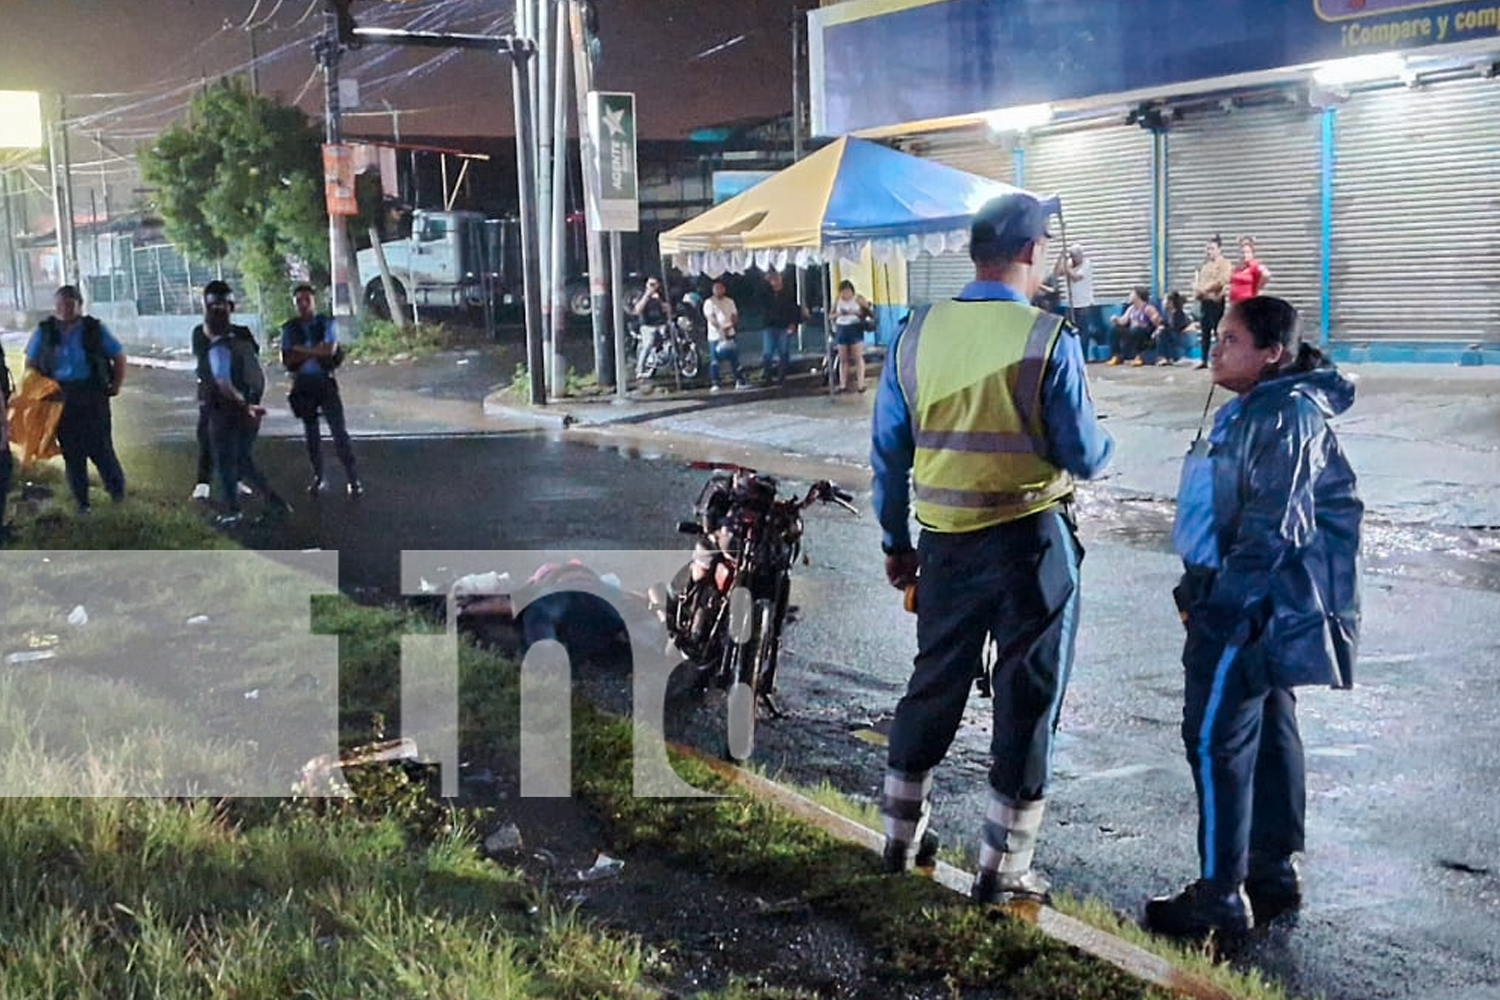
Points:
[(613, 186)]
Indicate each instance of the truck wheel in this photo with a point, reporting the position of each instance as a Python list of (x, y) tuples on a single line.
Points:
[(375, 298), (580, 304)]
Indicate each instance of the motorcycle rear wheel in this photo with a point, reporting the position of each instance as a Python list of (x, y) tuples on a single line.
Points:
[(689, 362)]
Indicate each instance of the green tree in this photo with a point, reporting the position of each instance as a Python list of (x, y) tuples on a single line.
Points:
[(242, 179)]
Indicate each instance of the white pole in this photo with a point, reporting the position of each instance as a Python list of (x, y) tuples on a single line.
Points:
[(559, 246), (544, 101)]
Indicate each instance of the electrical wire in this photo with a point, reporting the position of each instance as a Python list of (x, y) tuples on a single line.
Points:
[(250, 17), (269, 17), (142, 113)]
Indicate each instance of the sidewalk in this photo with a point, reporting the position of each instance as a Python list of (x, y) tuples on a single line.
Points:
[(1424, 439)]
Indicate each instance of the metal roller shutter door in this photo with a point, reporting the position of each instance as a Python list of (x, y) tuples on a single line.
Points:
[(1416, 214), (1255, 171), (932, 278), (1104, 175)]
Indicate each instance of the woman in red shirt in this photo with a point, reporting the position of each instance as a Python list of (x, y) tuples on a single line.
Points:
[(1250, 276)]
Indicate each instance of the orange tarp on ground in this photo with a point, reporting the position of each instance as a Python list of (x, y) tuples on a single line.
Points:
[(34, 411)]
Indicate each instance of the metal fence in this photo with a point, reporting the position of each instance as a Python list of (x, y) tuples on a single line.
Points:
[(158, 278)]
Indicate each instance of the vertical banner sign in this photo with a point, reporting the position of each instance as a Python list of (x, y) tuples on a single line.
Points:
[(612, 129), (338, 179)]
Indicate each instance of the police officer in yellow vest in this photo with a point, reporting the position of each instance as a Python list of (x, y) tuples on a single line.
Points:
[(982, 421)]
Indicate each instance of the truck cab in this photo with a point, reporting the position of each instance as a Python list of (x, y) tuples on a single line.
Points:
[(455, 260), (441, 265)]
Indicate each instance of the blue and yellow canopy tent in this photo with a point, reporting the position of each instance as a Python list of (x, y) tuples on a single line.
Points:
[(854, 204), (850, 197)]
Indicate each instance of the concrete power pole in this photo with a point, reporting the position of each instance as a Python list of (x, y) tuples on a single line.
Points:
[(62, 195), (341, 263), (557, 264), (583, 76)]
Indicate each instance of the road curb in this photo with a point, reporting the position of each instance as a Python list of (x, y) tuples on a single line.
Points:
[(1129, 958), (494, 406)]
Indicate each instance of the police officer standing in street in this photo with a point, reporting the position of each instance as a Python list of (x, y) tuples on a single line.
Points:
[(235, 412), (84, 358), (982, 420), (310, 351)]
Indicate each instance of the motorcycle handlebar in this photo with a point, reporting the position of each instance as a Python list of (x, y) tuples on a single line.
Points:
[(826, 492)]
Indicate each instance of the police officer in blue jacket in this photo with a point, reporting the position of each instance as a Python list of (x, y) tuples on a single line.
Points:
[(1268, 526), (310, 350), (982, 419)]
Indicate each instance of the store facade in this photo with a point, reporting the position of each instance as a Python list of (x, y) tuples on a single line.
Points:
[(1357, 141)]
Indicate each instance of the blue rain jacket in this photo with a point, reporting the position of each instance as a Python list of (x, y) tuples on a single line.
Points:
[(1282, 569)]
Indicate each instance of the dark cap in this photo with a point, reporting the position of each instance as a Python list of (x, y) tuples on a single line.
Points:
[(217, 292), (1005, 224)]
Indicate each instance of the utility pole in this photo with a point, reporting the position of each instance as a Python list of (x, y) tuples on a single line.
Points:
[(62, 195), (10, 243), (559, 219), (583, 76), (801, 285), (254, 62), (341, 264)]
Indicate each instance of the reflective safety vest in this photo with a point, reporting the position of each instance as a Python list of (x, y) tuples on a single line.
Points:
[(972, 373)]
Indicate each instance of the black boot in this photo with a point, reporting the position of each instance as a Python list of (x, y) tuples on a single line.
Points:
[(994, 887), (893, 859), (1200, 910), (1274, 886)]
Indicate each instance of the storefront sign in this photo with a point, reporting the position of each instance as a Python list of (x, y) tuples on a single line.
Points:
[(878, 63)]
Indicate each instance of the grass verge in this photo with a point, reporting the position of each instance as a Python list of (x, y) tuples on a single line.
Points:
[(385, 892)]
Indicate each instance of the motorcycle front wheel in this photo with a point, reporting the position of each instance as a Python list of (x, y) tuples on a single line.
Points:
[(746, 660)]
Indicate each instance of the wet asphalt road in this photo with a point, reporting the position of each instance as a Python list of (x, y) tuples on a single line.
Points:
[(1403, 866)]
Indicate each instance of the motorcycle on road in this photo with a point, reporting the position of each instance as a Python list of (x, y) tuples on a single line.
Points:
[(726, 610)]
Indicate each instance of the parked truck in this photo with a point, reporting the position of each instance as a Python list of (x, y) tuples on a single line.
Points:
[(454, 261)]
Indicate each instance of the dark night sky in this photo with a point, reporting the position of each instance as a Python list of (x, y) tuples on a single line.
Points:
[(130, 66)]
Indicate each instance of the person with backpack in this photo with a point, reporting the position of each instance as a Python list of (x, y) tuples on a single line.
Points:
[(311, 352), (215, 294), (234, 408), (88, 364)]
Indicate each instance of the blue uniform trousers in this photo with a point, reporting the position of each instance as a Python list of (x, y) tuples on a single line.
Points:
[(85, 434), (1017, 581), (1242, 743)]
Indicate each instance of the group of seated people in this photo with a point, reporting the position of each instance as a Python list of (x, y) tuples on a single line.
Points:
[(1139, 334), (1142, 332)]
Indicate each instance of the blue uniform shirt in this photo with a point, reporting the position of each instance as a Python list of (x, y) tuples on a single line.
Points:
[(294, 336), (69, 363), (219, 360), (1075, 441)]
